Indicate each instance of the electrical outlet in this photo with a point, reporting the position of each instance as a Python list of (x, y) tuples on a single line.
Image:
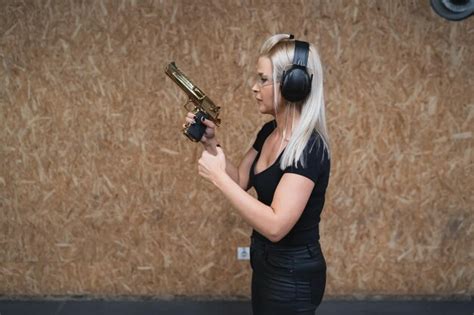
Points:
[(243, 253)]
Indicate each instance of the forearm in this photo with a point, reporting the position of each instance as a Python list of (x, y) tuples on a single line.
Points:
[(232, 171), (260, 216)]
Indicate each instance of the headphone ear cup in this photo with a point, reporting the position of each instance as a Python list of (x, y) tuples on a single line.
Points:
[(295, 84)]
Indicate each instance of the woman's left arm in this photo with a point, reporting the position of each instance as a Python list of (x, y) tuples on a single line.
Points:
[(275, 221)]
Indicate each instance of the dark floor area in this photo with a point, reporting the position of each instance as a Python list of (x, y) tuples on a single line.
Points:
[(175, 307)]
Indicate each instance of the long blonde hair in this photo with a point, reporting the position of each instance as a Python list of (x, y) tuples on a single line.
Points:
[(280, 49)]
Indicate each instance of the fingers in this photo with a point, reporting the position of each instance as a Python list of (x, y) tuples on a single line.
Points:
[(204, 155), (209, 123), (220, 152), (200, 171), (190, 119)]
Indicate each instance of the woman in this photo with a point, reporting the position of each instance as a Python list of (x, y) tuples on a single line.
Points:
[(289, 167)]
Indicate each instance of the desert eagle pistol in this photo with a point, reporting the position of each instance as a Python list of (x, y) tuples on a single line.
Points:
[(198, 103)]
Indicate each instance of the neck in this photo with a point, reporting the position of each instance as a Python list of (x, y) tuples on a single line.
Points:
[(287, 118)]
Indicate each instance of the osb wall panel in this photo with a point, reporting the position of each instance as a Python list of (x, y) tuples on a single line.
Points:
[(99, 191)]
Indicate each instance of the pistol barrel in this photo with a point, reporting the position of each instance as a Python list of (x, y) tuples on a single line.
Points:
[(195, 94)]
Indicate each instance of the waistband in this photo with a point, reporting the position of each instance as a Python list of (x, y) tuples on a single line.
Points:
[(294, 238), (258, 243)]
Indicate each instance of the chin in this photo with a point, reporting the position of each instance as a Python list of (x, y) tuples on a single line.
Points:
[(262, 109)]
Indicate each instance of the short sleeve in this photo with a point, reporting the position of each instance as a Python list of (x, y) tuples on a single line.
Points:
[(315, 157), (263, 134)]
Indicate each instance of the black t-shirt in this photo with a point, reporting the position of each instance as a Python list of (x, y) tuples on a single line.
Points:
[(317, 167)]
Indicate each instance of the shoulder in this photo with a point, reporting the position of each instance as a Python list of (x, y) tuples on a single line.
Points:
[(263, 133), (313, 160), (315, 144), (268, 127), (316, 150)]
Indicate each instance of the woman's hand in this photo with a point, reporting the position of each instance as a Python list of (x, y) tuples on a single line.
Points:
[(211, 167), (208, 140)]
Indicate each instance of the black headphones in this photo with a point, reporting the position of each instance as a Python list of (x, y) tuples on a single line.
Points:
[(296, 82)]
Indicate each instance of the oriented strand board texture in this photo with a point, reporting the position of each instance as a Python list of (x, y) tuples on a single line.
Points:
[(99, 191)]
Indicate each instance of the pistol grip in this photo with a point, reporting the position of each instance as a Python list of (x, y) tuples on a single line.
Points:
[(196, 130)]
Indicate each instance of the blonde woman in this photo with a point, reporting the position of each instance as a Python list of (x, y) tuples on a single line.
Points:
[(289, 167)]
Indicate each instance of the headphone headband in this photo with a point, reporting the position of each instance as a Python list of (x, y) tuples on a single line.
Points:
[(300, 57)]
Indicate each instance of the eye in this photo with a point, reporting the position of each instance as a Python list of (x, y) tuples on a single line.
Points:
[(262, 79)]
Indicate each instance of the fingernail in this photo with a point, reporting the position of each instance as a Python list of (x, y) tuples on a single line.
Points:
[(202, 119)]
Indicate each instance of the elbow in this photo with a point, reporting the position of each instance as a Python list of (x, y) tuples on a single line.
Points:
[(277, 229), (275, 238), (277, 233)]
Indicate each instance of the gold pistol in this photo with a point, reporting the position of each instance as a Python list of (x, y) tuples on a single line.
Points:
[(198, 103)]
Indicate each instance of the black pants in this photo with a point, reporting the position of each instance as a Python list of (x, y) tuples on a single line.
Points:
[(286, 280)]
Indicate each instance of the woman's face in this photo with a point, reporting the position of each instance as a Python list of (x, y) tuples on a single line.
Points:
[(263, 87)]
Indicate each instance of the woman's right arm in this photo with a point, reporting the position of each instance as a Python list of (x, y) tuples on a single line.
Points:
[(239, 174)]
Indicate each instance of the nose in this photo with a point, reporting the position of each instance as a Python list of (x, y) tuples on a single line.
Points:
[(255, 88)]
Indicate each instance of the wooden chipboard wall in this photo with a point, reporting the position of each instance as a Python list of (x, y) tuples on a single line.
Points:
[(99, 191)]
